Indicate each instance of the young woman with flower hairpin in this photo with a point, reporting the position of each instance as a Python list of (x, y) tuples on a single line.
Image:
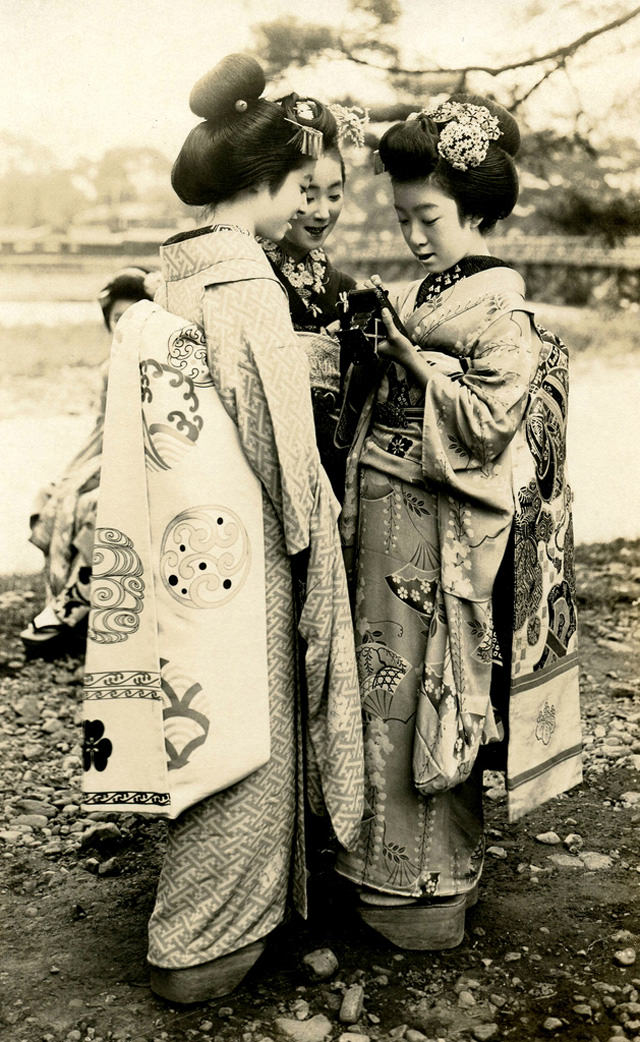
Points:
[(313, 285), (212, 502), (457, 517)]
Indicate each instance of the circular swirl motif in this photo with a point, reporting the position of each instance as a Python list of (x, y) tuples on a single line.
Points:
[(188, 355), (205, 556)]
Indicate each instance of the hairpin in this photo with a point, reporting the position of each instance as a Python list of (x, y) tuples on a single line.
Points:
[(310, 139), (352, 123), (378, 165)]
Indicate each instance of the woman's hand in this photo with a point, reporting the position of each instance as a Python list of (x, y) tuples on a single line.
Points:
[(396, 346)]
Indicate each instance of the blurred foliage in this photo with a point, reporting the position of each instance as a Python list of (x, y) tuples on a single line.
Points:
[(34, 191), (292, 42), (568, 186), (609, 219)]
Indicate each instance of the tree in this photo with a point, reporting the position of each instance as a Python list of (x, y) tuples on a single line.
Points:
[(586, 198), (367, 40)]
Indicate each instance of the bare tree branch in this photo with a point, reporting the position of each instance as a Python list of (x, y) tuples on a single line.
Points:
[(527, 94), (558, 55)]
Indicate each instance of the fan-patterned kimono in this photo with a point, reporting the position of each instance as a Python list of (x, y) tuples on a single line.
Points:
[(457, 518)]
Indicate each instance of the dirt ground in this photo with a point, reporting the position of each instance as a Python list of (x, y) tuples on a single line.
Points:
[(549, 951)]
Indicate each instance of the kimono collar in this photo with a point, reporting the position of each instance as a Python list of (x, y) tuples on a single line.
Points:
[(225, 252)]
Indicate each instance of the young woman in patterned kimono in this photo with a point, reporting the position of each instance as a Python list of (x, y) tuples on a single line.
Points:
[(63, 519), (235, 858), (313, 285), (458, 518)]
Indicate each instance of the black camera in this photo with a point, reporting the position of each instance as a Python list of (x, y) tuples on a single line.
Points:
[(361, 324)]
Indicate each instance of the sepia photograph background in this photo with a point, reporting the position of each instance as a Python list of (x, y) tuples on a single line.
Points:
[(94, 111)]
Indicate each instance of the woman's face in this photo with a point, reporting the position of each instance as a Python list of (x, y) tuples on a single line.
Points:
[(325, 197), (276, 210), (432, 227), (117, 310)]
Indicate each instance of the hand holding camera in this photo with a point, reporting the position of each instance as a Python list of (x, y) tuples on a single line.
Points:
[(370, 328)]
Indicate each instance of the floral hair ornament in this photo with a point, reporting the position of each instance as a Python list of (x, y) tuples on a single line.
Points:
[(464, 140), (352, 123)]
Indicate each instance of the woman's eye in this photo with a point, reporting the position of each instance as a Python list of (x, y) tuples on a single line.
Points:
[(335, 198)]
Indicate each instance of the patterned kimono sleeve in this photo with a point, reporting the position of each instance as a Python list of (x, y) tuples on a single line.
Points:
[(269, 384), (471, 415), (262, 376)]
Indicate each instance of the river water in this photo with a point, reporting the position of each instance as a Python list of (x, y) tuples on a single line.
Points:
[(604, 436)]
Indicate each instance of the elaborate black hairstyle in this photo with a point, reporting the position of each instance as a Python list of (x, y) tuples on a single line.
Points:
[(127, 284), (488, 188), (244, 140)]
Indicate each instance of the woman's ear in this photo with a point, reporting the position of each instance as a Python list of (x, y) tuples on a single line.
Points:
[(474, 221)]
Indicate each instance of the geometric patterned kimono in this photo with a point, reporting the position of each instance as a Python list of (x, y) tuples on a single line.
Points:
[(223, 381), (457, 518)]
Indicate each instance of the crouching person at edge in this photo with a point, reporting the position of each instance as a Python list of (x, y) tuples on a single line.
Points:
[(457, 526), (212, 498)]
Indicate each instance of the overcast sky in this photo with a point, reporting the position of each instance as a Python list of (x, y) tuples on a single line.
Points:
[(79, 76)]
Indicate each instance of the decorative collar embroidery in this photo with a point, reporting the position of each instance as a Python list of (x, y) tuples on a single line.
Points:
[(436, 282), (307, 276)]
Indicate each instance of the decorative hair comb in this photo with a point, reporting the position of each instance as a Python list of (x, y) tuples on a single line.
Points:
[(310, 139), (305, 108), (352, 123)]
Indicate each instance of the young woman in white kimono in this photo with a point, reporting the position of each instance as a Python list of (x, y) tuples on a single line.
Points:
[(458, 516), (215, 517)]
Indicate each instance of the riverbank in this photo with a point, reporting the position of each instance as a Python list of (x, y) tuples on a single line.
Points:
[(49, 390)]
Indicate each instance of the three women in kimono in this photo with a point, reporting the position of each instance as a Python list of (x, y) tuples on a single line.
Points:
[(457, 518)]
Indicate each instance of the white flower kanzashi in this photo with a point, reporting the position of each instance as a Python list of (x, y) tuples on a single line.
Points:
[(352, 123), (464, 141)]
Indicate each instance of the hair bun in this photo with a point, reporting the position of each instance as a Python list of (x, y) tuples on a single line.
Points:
[(236, 78)]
